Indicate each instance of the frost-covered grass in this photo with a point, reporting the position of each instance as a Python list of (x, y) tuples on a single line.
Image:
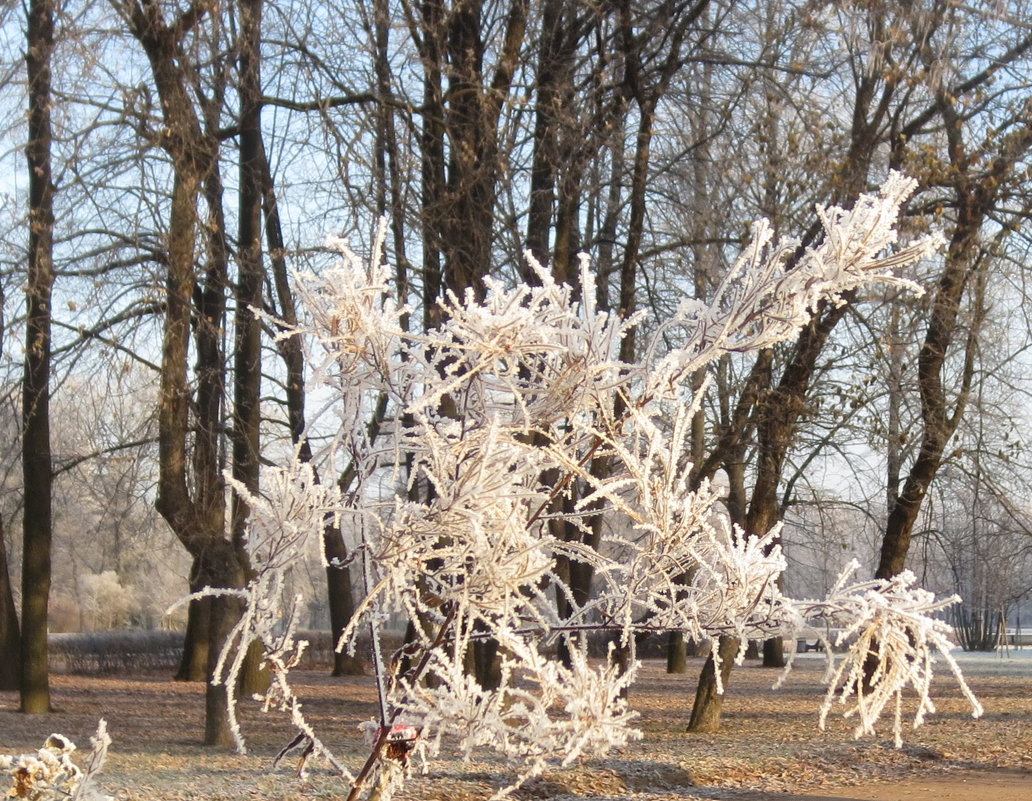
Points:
[(770, 740), (1004, 662)]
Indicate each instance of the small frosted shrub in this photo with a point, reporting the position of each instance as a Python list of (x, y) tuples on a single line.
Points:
[(50, 774), (476, 490)]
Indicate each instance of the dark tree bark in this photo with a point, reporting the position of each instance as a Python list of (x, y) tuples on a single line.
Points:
[(709, 704), (939, 420), (37, 471), (432, 156), (193, 664), (461, 165), (774, 414), (341, 599), (557, 48), (10, 633), (473, 105), (250, 275), (247, 373), (671, 25), (677, 653), (10, 630)]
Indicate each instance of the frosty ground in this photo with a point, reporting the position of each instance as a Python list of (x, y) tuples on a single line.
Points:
[(770, 744)]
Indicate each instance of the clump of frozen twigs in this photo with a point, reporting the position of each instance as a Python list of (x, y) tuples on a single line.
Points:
[(50, 774), (893, 637), (513, 449)]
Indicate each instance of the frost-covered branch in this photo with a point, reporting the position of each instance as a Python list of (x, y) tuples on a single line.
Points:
[(493, 423)]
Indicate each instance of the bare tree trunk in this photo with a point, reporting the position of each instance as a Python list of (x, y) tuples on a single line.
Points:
[(459, 196), (775, 413), (551, 60), (10, 634), (709, 703), (938, 422), (976, 197), (341, 600), (223, 568), (193, 664), (37, 471), (774, 652), (677, 653), (10, 630), (247, 374)]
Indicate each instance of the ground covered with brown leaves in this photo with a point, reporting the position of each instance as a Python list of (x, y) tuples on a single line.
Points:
[(770, 743)]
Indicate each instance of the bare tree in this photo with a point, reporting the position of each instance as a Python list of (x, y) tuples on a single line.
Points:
[(887, 116), (37, 473), (190, 485)]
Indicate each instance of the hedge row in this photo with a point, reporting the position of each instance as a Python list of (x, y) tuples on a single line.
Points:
[(137, 651)]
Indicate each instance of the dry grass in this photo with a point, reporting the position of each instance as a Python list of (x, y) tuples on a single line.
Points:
[(770, 741)]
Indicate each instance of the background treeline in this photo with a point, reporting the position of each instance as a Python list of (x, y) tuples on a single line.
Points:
[(166, 164)]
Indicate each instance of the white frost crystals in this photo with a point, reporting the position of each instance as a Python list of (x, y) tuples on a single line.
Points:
[(50, 774), (891, 632), (511, 450)]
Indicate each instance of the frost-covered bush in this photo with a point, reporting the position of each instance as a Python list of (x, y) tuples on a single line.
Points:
[(107, 603), (483, 482), (51, 775)]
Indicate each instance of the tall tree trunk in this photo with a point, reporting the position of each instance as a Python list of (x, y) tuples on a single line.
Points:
[(473, 105), (247, 346), (776, 413), (247, 374), (677, 653), (341, 599), (460, 190), (432, 158), (544, 167), (196, 521), (938, 422), (10, 633), (222, 568), (37, 472)]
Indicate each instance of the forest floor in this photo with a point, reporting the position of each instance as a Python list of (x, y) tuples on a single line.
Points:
[(770, 747)]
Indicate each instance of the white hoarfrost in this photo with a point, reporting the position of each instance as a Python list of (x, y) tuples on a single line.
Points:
[(513, 444), (50, 774)]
